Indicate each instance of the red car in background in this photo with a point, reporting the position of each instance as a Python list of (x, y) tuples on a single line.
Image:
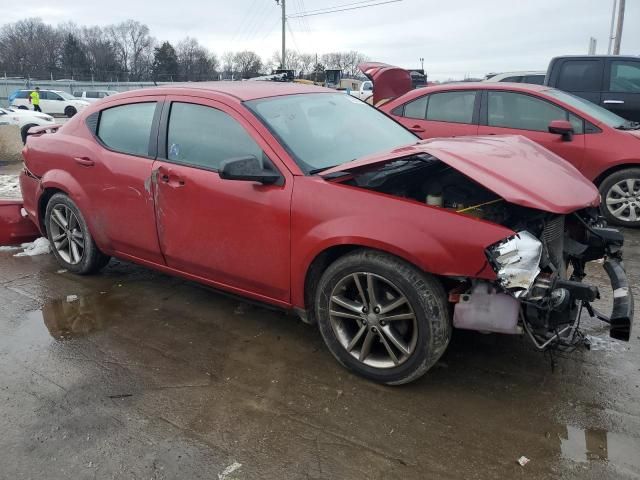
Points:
[(601, 145), (267, 190)]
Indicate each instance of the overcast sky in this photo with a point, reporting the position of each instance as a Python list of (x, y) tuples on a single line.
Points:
[(456, 37)]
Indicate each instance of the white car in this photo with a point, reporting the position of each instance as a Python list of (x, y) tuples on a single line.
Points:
[(534, 76), (53, 102), (365, 91), (93, 95), (24, 119)]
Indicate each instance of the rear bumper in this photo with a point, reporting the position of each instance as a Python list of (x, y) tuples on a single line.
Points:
[(14, 227)]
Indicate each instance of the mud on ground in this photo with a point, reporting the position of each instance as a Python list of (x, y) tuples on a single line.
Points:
[(148, 376)]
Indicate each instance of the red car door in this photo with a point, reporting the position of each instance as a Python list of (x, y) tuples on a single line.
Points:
[(233, 233), (513, 113), (116, 177), (442, 114)]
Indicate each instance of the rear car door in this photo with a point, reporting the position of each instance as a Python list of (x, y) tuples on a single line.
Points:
[(116, 176), (233, 233), (512, 113), (622, 92), (52, 103), (441, 114)]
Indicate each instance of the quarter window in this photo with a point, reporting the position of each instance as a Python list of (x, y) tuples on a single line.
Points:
[(416, 108), (127, 128), (203, 137), (524, 112), (625, 77), (580, 76), (456, 107)]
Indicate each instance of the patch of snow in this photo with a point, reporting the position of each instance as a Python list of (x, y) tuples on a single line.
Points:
[(9, 186), (72, 298), (606, 344), (38, 247)]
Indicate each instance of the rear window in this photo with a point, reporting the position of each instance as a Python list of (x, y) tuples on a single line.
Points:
[(127, 128), (455, 107), (580, 76)]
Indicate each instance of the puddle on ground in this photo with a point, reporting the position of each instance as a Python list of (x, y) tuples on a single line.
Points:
[(618, 450), (79, 316)]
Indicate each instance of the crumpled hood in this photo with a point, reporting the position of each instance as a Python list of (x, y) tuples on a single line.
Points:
[(511, 166), (389, 82)]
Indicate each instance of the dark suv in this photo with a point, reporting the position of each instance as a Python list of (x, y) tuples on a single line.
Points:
[(610, 81)]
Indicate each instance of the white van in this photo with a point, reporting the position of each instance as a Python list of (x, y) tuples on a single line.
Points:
[(53, 102)]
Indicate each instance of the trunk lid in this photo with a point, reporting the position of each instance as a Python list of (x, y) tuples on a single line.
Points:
[(511, 166), (389, 82)]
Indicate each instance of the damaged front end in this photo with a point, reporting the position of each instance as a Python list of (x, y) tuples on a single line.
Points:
[(543, 269)]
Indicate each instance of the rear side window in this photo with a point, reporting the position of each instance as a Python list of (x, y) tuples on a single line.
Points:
[(534, 79), (524, 112), (93, 95), (456, 107), (203, 137), (625, 77), (580, 76), (77, 94), (127, 128), (416, 108)]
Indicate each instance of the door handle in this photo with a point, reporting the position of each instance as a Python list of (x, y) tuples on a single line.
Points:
[(615, 102), (84, 161), (417, 129), (170, 178)]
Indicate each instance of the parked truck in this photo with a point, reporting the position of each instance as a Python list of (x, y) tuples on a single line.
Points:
[(610, 81)]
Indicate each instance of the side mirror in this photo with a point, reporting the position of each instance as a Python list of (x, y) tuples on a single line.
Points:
[(562, 127), (248, 169)]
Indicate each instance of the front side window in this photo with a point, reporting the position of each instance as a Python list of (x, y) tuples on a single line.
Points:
[(322, 130), (524, 112), (625, 77), (203, 136), (127, 128), (51, 96), (456, 107), (580, 76), (417, 108)]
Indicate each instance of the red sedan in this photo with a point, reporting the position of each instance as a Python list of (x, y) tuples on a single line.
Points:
[(603, 146), (311, 200)]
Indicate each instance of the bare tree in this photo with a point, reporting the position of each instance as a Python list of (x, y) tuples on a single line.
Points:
[(195, 61), (29, 47), (228, 64), (247, 63), (134, 46)]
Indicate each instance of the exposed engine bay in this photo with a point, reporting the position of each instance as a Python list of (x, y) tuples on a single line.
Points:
[(540, 289)]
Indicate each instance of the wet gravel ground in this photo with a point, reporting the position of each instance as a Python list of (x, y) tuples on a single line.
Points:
[(148, 376)]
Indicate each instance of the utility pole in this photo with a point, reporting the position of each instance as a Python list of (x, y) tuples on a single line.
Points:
[(284, 19), (592, 46), (613, 21), (616, 43), (422, 64)]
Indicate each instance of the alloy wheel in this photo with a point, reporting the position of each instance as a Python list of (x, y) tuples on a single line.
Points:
[(623, 200), (373, 320), (66, 234)]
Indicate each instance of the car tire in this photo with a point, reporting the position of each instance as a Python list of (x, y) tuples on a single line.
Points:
[(24, 130), (70, 111), (417, 330), (70, 239), (620, 193)]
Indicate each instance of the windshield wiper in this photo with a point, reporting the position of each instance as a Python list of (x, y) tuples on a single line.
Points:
[(629, 125), (319, 170)]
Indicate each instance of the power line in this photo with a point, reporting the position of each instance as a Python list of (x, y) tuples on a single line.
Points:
[(341, 8)]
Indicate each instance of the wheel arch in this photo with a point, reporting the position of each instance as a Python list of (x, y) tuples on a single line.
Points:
[(326, 257), (616, 168)]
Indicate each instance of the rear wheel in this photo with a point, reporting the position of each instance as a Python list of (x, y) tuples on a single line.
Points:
[(71, 242), (70, 111), (620, 194), (24, 130), (381, 317)]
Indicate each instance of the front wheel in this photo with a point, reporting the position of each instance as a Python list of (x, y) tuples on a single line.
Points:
[(620, 194), (382, 317), (70, 111), (71, 242)]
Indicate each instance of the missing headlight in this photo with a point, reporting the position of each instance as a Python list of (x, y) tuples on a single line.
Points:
[(516, 261)]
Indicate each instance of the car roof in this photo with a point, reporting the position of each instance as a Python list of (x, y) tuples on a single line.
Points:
[(242, 91)]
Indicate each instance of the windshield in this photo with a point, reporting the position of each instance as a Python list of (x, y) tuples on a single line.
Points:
[(322, 130), (66, 96), (601, 114)]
